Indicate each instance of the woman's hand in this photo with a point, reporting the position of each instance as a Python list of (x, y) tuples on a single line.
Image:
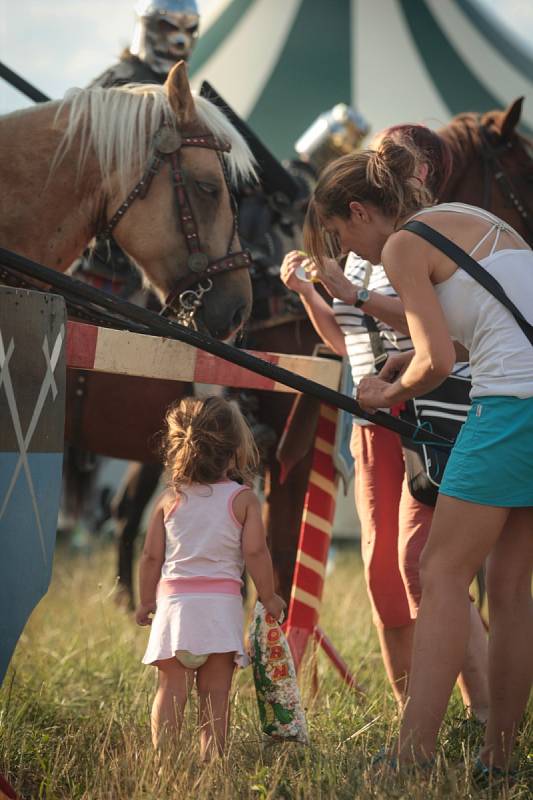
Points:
[(395, 365), (333, 279), (144, 614), (288, 275), (371, 393)]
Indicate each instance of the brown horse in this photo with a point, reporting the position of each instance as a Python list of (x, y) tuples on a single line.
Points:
[(492, 166), (66, 169)]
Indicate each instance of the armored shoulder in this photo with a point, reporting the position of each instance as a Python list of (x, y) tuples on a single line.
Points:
[(119, 74)]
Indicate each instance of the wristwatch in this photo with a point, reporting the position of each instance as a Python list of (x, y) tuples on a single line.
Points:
[(362, 296)]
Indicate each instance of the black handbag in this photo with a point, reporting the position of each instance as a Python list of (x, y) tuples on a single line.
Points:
[(442, 411), (445, 409)]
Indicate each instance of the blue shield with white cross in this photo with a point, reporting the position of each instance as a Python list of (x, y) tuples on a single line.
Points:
[(32, 415)]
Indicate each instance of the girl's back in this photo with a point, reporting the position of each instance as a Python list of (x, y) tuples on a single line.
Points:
[(202, 534)]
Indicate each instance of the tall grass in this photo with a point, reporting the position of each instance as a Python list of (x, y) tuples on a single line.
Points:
[(75, 711)]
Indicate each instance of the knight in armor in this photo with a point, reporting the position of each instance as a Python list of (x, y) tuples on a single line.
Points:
[(165, 32)]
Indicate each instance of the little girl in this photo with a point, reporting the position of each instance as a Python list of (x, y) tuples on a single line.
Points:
[(204, 530)]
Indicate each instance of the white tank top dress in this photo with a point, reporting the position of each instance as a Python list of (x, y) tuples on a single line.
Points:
[(199, 602)]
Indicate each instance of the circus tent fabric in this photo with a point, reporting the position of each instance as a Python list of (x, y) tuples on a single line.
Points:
[(280, 63)]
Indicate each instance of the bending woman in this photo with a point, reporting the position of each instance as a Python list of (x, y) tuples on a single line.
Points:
[(394, 525), (485, 505)]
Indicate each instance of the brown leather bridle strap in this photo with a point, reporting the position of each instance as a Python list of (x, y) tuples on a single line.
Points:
[(233, 261), (168, 146), (493, 165)]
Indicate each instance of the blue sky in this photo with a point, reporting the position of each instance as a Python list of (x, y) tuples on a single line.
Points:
[(56, 44)]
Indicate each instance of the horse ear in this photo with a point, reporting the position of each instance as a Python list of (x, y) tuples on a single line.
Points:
[(179, 93), (511, 118)]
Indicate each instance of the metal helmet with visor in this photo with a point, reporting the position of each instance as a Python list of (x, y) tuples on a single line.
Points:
[(165, 32)]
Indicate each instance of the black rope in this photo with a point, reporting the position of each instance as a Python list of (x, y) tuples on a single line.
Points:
[(161, 326)]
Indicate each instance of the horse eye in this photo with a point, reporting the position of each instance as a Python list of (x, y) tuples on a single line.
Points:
[(207, 188)]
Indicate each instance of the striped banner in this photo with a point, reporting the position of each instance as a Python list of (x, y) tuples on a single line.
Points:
[(123, 353)]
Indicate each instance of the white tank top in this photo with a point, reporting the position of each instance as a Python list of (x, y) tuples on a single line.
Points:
[(202, 535), (501, 356)]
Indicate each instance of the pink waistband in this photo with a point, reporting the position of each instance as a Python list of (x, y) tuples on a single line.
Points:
[(202, 585)]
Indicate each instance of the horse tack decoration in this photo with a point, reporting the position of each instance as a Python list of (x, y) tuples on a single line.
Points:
[(32, 409), (168, 143)]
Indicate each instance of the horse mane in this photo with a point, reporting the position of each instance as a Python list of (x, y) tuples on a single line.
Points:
[(119, 125), (462, 136)]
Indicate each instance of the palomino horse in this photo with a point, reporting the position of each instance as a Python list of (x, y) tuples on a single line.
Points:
[(65, 169)]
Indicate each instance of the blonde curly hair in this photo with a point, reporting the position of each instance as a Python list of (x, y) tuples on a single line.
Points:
[(206, 440)]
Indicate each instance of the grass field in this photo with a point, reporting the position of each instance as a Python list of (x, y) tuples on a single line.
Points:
[(75, 709)]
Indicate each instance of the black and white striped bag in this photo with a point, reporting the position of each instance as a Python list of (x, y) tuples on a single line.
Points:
[(442, 411)]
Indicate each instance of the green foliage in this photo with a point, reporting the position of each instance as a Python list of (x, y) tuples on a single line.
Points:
[(75, 705)]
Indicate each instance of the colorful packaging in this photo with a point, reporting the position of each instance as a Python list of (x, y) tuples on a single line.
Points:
[(278, 696)]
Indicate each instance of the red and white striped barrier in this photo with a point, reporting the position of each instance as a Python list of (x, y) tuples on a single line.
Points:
[(121, 352)]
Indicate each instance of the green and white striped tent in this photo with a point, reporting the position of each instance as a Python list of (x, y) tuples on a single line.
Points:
[(280, 63)]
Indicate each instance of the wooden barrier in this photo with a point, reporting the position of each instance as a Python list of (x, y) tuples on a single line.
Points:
[(123, 353)]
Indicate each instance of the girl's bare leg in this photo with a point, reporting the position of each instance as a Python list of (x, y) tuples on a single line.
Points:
[(462, 534), (511, 635), (175, 683), (213, 680)]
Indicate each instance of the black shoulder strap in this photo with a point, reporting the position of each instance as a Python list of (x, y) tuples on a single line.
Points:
[(470, 265)]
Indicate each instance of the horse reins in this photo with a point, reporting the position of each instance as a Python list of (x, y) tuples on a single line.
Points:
[(493, 167), (168, 144)]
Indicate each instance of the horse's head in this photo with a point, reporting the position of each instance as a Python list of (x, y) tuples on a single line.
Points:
[(182, 233), (493, 165)]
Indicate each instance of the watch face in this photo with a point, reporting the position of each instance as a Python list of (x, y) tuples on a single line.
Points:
[(362, 296)]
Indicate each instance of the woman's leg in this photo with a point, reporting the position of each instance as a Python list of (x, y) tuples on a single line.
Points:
[(379, 471), (511, 635), (473, 680), (213, 680), (462, 534), (414, 525), (174, 685)]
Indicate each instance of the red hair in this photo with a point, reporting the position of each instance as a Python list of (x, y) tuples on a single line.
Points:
[(433, 150)]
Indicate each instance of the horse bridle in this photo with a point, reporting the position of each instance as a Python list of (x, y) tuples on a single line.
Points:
[(168, 144), (493, 168)]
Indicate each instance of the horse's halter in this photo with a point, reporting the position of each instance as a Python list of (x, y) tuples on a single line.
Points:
[(493, 168), (167, 147)]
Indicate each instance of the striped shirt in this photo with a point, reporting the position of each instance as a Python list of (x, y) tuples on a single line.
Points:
[(351, 322)]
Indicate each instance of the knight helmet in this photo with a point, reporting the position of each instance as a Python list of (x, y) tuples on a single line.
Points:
[(165, 32), (334, 133)]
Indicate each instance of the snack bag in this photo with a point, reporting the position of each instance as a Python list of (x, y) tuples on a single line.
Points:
[(278, 696)]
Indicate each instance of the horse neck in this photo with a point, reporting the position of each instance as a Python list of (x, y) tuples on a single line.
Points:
[(49, 216)]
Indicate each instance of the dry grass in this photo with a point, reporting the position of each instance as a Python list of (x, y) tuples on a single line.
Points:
[(75, 708)]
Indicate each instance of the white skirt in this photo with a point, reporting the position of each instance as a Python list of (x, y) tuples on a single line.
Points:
[(200, 623)]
